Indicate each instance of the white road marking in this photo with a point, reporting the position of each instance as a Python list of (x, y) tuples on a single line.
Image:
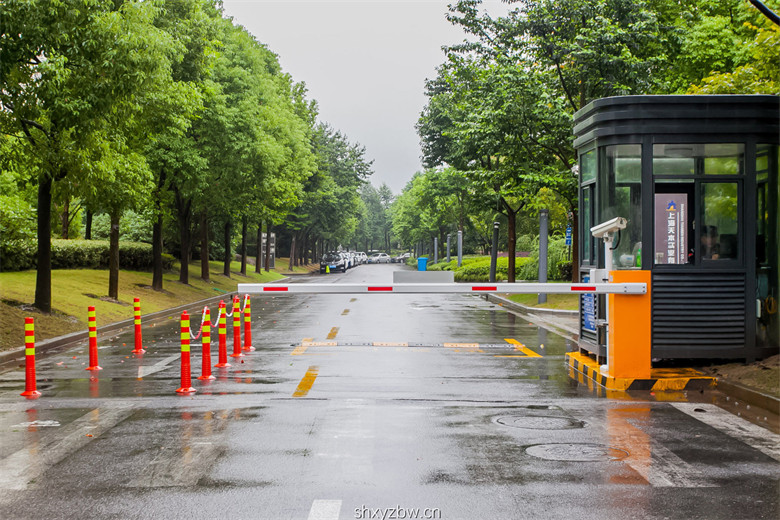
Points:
[(29, 463), (161, 365), (325, 510), (763, 440)]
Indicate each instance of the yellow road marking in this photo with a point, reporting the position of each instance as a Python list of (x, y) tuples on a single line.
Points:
[(306, 383), (522, 348), (352, 300), (333, 332), (345, 312)]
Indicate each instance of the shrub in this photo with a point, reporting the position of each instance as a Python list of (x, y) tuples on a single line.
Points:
[(557, 254), (75, 254), (18, 255)]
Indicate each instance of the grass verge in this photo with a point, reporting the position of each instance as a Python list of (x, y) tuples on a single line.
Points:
[(73, 290), (568, 302)]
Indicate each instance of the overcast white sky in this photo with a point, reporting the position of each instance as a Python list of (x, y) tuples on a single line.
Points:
[(365, 62)]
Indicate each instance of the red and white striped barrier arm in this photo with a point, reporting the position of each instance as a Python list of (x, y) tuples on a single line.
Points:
[(444, 288)]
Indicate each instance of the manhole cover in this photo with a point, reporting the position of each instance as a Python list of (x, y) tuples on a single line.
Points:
[(540, 422), (576, 452)]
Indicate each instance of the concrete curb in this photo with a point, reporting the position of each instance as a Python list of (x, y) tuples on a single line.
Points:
[(67, 340), (764, 401)]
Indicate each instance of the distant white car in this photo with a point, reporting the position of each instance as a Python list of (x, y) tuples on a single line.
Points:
[(379, 258), (362, 257)]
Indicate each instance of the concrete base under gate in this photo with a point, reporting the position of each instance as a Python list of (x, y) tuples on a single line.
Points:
[(587, 370)]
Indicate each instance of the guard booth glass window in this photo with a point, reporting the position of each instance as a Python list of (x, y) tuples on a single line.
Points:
[(620, 195), (588, 170), (719, 231)]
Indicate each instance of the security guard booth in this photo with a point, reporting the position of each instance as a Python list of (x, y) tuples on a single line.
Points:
[(697, 179)]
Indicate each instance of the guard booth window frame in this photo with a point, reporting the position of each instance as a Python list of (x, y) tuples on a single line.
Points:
[(705, 172)]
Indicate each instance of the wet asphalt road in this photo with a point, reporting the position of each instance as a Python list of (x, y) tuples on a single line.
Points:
[(332, 418)]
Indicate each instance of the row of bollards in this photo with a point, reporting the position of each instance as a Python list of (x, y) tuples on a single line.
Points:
[(31, 391)]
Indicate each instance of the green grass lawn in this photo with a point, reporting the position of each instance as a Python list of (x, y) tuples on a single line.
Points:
[(568, 302), (73, 290)]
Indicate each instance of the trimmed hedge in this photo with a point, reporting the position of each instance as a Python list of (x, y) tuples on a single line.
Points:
[(76, 254)]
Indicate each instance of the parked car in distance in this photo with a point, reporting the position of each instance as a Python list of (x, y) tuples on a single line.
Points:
[(362, 258), (400, 259), (379, 258), (333, 261)]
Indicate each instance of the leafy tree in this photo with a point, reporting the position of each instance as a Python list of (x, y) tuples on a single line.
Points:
[(67, 69)]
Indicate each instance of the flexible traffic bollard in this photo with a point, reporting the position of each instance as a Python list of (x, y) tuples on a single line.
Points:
[(247, 325), (222, 332), (205, 371), (186, 382), (139, 349), (30, 384), (93, 353), (236, 328)]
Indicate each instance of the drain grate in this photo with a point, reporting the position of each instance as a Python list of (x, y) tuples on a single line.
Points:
[(540, 422), (573, 452)]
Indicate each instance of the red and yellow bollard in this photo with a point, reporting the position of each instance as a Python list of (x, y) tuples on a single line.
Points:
[(139, 349), (186, 382), (236, 328), (222, 332), (247, 325), (205, 371), (30, 384), (93, 351)]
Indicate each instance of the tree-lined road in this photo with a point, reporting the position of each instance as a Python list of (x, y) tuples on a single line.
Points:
[(332, 417)]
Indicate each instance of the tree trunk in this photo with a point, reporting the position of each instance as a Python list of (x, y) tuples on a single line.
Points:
[(304, 249), (65, 219), (268, 247), (184, 213), (157, 235), (205, 273), (292, 253), (157, 248), (244, 230), (88, 230), (228, 253), (113, 256), (43, 274), (259, 254)]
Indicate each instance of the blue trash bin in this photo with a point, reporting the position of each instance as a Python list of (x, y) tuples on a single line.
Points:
[(422, 264)]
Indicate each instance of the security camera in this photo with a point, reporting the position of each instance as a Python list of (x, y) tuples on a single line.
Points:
[(605, 228)]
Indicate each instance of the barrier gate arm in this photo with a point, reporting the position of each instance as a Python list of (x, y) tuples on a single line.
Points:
[(450, 288)]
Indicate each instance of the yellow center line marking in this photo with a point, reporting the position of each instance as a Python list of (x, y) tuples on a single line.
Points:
[(333, 332), (352, 300), (522, 348), (345, 312), (306, 383)]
